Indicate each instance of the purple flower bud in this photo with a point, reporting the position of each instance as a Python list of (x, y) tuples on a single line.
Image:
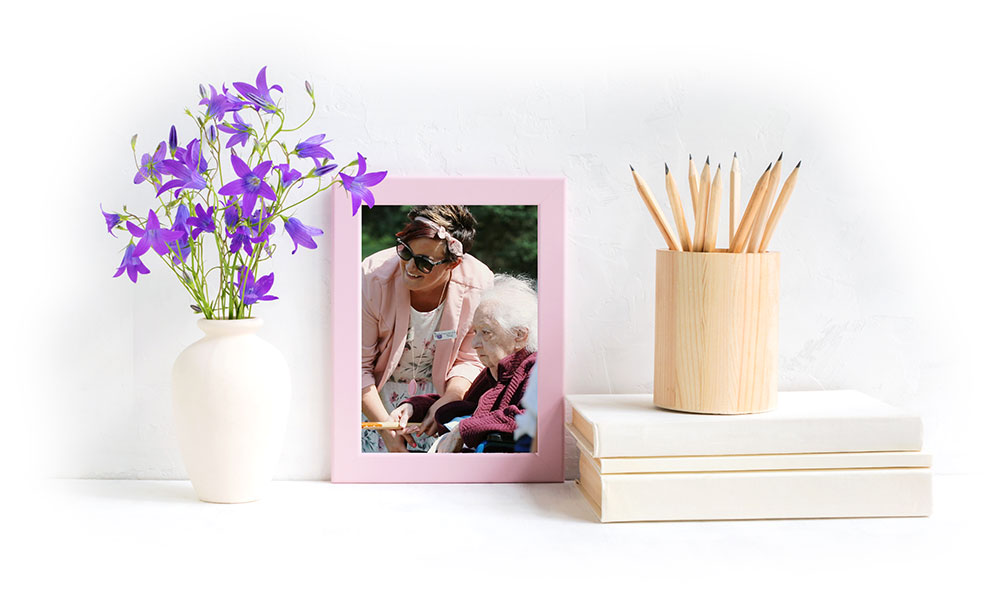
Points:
[(211, 134), (172, 141), (323, 170), (197, 309), (202, 91), (309, 88)]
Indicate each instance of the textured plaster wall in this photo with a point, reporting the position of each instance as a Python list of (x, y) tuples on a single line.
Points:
[(887, 283)]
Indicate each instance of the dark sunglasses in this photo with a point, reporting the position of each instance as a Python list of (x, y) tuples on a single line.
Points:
[(424, 264)]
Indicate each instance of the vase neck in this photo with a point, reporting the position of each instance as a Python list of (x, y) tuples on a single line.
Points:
[(228, 328)]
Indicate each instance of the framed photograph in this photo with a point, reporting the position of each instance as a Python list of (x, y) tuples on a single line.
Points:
[(447, 302)]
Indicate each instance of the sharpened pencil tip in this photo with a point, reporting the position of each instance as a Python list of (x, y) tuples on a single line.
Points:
[(780, 156), (707, 162), (768, 167), (734, 154), (798, 164), (690, 157), (630, 167), (666, 168)]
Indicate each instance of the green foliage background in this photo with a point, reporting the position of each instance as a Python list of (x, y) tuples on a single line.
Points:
[(506, 238)]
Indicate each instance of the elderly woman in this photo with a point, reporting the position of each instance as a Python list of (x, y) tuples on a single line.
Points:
[(506, 340), (418, 299)]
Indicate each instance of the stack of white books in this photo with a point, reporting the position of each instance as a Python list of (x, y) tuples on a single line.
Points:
[(818, 454)]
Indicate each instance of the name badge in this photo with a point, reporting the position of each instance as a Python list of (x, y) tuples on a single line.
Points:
[(440, 335)]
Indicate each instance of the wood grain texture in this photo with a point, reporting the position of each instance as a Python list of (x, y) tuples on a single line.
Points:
[(716, 338)]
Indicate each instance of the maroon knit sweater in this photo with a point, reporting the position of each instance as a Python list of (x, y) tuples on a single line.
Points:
[(493, 403)]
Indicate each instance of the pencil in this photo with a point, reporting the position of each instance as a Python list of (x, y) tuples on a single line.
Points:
[(712, 212), (677, 207), (693, 184), (704, 191), (734, 196), (761, 218), (743, 231), (381, 425), (654, 210), (779, 208)]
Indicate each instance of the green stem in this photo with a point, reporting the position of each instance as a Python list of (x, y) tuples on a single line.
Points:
[(301, 201), (311, 113)]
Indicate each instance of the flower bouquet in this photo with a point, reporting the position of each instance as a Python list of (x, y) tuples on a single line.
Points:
[(218, 201)]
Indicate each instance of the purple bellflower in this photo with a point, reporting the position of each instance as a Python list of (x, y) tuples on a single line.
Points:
[(150, 166), (254, 291), (111, 220), (301, 234), (241, 237), (193, 149), (259, 95), (152, 236), (132, 264), (288, 174), (313, 147), (235, 101), (240, 131), (181, 248), (250, 183), (255, 224), (358, 185), (244, 237), (187, 170), (232, 214), (202, 221), (218, 105)]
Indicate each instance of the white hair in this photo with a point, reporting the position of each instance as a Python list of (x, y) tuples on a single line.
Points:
[(513, 304)]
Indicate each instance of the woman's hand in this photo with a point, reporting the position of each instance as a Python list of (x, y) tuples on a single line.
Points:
[(401, 414), (450, 442), (428, 426), (394, 442)]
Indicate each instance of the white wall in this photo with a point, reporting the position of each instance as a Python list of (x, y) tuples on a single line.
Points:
[(887, 283)]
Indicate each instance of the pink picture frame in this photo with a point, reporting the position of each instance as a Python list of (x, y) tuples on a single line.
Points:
[(348, 463)]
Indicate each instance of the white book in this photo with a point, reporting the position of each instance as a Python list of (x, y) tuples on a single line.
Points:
[(794, 494), (609, 425), (762, 462)]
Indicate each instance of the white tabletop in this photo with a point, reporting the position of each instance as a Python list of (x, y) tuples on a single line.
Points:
[(152, 540)]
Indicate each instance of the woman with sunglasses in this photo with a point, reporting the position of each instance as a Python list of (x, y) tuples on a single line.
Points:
[(417, 304)]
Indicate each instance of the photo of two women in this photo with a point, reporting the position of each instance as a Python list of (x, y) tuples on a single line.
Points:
[(449, 328)]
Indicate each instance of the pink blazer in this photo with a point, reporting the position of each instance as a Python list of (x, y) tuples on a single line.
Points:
[(385, 318)]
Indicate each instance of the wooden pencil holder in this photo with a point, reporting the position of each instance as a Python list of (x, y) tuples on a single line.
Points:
[(716, 332)]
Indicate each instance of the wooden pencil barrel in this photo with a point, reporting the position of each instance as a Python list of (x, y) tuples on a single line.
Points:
[(716, 334)]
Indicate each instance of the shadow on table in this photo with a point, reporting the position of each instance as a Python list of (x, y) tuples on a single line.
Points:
[(560, 501), (158, 491)]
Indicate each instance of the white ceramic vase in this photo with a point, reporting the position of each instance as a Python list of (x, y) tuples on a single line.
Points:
[(231, 394)]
